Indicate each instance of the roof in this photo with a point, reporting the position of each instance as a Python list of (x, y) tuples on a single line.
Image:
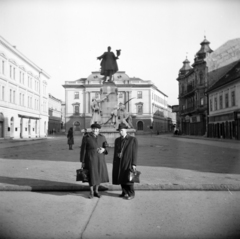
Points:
[(216, 75), (230, 76), (205, 48), (186, 65)]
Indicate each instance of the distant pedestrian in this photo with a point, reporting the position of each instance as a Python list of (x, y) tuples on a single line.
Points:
[(124, 160), (70, 138), (92, 157)]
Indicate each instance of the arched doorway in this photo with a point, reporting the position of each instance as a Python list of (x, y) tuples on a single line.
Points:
[(76, 126), (139, 125), (1, 125), (12, 127)]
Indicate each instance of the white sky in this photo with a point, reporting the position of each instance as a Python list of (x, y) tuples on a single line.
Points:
[(64, 37)]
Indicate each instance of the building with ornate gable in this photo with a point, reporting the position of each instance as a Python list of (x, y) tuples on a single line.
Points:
[(147, 104), (209, 92), (23, 95), (192, 99)]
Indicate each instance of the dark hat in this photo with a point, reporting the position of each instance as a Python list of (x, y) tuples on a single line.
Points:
[(121, 126), (96, 125)]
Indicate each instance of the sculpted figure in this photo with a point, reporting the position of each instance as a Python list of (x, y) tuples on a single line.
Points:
[(109, 64), (96, 110), (120, 115)]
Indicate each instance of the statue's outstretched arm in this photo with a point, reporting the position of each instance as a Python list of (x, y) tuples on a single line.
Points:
[(100, 57)]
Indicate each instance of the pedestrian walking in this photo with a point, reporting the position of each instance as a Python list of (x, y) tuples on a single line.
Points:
[(70, 138), (92, 157), (124, 160)]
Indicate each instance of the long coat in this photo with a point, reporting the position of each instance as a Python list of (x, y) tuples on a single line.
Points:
[(94, 161), (70, 137), (121, 166), (108, 63)]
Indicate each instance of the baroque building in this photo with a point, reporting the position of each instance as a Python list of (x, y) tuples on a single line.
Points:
[(146, 103), (192, 99), (209, 92), (23, 95)]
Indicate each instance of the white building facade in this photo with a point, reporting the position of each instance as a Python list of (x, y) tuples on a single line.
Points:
[(147, 104), (55, 114), (23, 95)]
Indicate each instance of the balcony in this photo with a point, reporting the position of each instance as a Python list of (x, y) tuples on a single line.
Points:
[(188, 110), (190, 90)]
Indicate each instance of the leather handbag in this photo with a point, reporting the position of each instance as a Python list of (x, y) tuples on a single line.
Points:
[(82, 175), (134, 176)]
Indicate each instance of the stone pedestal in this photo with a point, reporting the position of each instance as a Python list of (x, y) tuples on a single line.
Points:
[(110, 90), (107, 106)]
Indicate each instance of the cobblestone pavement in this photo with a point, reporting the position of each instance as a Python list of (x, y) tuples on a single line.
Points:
[(163, 160)]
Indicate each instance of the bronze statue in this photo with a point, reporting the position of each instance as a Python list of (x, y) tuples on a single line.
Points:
[(109, 64)]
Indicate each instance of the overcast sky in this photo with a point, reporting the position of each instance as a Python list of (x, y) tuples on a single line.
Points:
[(64, 37)]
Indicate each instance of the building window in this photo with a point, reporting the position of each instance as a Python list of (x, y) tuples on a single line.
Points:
[(3, 67), (22, 99), (233, 98), (76, 109), (14, 71), (201, 77), (220, 102), (3, 91), (14, 93), (215, 103), (10, 96), (120, 95), (226, 100), (139, 109), (96, 95), (139, 94), (23, 78), (202, 101), (76, 95), (210, 104), (10, 71)]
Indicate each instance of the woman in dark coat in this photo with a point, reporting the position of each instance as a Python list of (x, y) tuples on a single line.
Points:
[(92, 157), (125, 159), (70, 138)]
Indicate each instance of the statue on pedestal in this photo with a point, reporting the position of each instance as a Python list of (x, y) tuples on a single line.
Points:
[(109, 64)]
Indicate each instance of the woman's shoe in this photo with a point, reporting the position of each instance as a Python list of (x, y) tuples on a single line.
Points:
[(90, 196), (97, 195), (122, 195)]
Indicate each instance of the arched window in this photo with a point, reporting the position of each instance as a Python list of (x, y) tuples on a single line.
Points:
[(140, 125)]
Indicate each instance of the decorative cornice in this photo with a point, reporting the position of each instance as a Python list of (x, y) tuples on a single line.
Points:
[(20, 55), (13, 62), (3, 55)]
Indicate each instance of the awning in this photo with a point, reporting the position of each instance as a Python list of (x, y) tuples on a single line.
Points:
[(28, 117)]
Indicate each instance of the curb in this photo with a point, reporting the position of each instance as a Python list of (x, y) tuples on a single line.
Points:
[(20, 140), (138, 187)]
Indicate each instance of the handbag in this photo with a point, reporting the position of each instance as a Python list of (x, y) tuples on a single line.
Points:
[(133, 176), (82, 175)]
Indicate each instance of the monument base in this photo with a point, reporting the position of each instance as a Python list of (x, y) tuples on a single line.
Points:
[(111, 134)]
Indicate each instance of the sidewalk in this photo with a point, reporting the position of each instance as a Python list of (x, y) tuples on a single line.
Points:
[(20, 174)]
